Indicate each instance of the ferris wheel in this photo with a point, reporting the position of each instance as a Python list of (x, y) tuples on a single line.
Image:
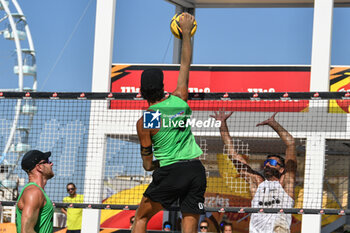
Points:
[(14, 27)]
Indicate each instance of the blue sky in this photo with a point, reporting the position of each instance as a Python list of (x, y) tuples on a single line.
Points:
[(63, 34)]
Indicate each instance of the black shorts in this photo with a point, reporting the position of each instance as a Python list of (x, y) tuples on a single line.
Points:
[(184, 181)]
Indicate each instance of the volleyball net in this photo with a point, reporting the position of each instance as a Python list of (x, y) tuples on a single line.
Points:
[(94, 144)]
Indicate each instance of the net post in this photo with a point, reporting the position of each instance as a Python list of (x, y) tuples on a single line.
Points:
[(103, 48), (313, 182), (315, 153), (93, 175)]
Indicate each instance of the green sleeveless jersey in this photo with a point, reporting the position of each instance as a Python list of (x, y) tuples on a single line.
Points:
[(45, 218), (174, 141)]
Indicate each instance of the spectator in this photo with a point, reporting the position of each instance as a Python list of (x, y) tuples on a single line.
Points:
[(74, 215), (167, 226), (204, 226), (227, 228)]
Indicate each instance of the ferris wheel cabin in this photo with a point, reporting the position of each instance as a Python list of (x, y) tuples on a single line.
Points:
[(20, 22), (28, 63)]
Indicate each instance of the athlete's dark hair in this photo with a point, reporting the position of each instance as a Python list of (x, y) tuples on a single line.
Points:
[(152, 85), (279, 157), (152, 95)]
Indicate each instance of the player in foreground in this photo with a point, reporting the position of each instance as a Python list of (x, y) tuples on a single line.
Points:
[(274, 189), (34, 209), (178, 174)]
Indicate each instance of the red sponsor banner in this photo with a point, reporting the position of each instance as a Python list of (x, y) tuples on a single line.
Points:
[(225, 200), (207, 79)]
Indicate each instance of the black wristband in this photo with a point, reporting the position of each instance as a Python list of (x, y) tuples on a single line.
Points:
[(146, 151)]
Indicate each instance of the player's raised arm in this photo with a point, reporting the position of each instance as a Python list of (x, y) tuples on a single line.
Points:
[(146, 147), (240, 162), (186, 23), (290, 159), (225, 136)]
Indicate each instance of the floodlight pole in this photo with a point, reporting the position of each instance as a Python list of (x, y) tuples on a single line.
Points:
[(316, 142), (95, 158)]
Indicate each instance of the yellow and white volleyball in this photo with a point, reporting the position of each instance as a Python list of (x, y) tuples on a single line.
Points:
[(176, 29)]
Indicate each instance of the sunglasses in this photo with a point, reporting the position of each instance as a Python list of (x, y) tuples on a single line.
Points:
[(272, 162), (203, 227), (71, 189), (45, 161), (167, 226)]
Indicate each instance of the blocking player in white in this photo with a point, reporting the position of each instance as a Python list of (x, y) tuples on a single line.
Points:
[(272, 189)]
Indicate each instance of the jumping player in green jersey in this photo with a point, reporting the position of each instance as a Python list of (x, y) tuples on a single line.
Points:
[(34, 209), (178, 174)]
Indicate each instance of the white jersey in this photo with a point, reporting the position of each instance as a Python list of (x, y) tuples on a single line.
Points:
[(270, 194)]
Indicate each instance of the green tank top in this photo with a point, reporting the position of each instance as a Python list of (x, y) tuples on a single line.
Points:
[(45, 218), (174, 141)]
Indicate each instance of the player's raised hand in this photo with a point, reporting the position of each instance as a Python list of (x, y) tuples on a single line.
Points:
[(221, 115), (268, 121), (186, 22)]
